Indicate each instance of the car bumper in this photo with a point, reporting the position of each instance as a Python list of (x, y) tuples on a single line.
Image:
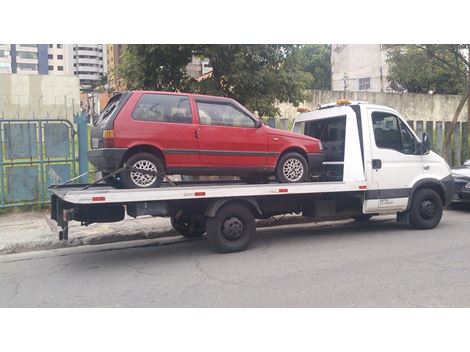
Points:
[(106, 159), (315, 160)]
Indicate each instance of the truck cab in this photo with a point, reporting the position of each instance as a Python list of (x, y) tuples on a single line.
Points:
[(382, 150)]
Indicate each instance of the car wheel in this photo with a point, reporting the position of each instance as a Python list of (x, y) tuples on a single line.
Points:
[(145, 170), (113, 181), (232, 229), (426, 209), (188, 227), (291, 168)]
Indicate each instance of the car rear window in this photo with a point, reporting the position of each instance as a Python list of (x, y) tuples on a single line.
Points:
[(110, 107), (163, 108)]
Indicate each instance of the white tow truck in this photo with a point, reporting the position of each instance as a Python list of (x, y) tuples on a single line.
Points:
[(374, 164)]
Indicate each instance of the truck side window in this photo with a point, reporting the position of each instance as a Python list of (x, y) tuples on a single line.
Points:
[(392, 133), (332, 133)]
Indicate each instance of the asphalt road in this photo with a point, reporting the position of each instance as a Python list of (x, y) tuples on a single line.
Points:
[(379, 264)]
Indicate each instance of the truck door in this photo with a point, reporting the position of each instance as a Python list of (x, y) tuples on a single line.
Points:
[(395, 159)]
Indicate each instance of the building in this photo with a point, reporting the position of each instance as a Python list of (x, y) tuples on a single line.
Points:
[(57, 60), (198, 67), (114, 53), (359, 67), (87, 61), (23, 58)]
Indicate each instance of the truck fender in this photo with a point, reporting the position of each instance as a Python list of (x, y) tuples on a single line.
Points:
[(212, 209), (432, 183)]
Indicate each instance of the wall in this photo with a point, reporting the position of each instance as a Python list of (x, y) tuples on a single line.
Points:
[(38, 96), (413, 106)]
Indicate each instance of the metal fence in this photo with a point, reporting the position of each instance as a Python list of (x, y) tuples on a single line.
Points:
[(34, 153)]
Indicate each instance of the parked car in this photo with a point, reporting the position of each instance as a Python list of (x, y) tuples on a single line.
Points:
[(158, 133), (462, 182)]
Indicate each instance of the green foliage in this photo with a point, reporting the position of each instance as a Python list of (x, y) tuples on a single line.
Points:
[(156, 66), (424, 68), (316, 59), (255, 75)]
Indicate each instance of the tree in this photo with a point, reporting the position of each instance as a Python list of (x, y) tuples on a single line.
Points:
[(255, 75), (316, 59), (156, 66), (440, 68)]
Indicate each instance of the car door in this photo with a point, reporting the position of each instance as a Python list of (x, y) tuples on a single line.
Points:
[(166, 122), (396, 161), (229, 137)]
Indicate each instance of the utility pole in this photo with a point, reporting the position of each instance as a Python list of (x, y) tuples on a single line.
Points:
[(345, 82)]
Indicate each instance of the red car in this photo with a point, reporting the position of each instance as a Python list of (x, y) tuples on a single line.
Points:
[(156, 133)]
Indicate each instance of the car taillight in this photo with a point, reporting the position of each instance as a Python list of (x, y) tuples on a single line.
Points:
[(108, 138)]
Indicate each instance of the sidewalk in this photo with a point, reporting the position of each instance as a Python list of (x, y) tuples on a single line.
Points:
[(27, 231), (23, 231)]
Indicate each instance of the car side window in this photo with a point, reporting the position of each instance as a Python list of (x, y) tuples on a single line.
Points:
[(163, 108), (221, 114), (391, 133)]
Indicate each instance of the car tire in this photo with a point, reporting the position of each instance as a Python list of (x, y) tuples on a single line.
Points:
[(291, 168), (188, 227), (232, 229), (426, 209), (113, 181), (362, 217), (147, 162)]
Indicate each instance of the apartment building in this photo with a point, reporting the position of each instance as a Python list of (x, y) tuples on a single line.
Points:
[(87, 61), (23, 58), (114, 53), (359, 67), (57, 63)]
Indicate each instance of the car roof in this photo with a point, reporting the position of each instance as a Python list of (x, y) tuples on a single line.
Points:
[(196, 95)]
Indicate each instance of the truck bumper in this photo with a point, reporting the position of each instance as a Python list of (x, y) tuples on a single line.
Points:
[(315, 160), (106, 159), (448, 185)]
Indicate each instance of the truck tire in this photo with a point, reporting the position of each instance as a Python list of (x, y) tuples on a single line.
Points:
[(232, 229), (362, 217), (291, 168), (188, 227), (426, 209), (146, 162)]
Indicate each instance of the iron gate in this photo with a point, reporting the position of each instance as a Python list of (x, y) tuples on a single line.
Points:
[(33, 155)]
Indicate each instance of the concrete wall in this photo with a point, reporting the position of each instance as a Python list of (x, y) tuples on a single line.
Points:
[(38, 96), (413, 106)]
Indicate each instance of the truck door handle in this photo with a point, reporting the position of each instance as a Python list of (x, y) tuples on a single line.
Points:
[(197, 133), (376, 163)]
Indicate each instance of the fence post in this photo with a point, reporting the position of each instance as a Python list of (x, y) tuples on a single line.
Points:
[(448, 156), (430, 132), (456, 140), (439, 137), (465, 151), (81, 120)]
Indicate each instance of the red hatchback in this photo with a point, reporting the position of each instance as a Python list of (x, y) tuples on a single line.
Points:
[(157, 133)]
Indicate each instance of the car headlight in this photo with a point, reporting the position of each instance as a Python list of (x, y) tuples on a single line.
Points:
[(467, 185)]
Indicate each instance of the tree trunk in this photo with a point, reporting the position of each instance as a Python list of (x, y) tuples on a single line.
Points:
[(450, 131)]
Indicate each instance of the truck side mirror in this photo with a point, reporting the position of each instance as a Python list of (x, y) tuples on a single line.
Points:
[(426, 144)]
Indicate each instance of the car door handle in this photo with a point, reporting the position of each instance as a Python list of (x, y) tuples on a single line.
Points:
[(197, 133), (376, 163)]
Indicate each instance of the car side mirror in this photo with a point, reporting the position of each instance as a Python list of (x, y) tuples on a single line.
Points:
[(426, 144)]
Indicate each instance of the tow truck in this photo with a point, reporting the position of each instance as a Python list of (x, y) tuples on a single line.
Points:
[(374, 164)]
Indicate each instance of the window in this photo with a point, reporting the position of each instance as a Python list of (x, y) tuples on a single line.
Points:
[(222, 114), (27, 67), (51, 46), (4, 53), (60, 68), (364, 83), (50, 68), (332, 133), (392, 133), (5, 65), (163, 108), (60, 57), (50, 56), (27, 55), (59, 46)]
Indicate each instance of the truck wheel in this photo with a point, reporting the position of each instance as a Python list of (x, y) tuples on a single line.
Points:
[(426, 209), (232, 229), (188, 227), (362, 217), (146, 162), (113, 181), (291, 168)]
